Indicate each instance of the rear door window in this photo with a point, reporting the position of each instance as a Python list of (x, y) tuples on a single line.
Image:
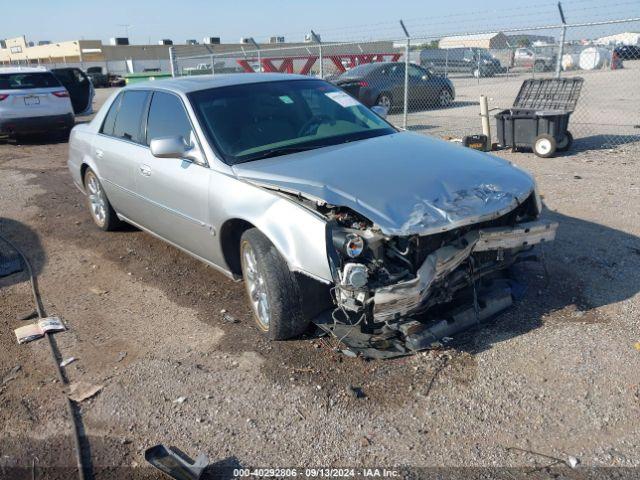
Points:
[(18, 81), (167, 118), (128, 125), (110, 119)]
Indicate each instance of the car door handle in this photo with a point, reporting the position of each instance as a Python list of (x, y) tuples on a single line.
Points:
[(145, 170), (99, 153)]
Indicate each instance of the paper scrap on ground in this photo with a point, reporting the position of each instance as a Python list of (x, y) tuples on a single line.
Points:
[(39, 329), (80, 391)]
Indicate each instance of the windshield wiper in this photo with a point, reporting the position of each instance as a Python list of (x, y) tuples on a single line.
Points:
[(275, 152)]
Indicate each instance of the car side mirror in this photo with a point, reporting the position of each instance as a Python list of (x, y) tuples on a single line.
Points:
[(380, 111), (169, 147)]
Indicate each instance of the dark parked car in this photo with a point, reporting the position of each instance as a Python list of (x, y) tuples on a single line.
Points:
[(97, 77), (628, 52), (383, 84), (475, 61)]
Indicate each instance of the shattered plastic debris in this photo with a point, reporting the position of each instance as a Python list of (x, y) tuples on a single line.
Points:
[(121, 356), (180, 400), (637, 346), (67, 361), (98, 291), (226, 317), (175, 463), (573, 461), (81, 391), (356, 392)]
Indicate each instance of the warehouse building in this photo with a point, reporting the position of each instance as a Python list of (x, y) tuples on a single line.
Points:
[(493, 41), (625, 38), (85, 53), (120, 58)]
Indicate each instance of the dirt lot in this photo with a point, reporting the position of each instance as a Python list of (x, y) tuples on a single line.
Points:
[(557, 374)]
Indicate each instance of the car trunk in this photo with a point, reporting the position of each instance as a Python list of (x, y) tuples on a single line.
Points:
[(350, 85)]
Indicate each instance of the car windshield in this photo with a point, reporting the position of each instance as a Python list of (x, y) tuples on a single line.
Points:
[(259, 120), (17, 81)]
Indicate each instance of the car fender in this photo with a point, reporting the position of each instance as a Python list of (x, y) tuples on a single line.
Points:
[(297, 232)]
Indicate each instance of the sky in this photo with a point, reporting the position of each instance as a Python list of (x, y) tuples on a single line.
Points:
[(151, 20)]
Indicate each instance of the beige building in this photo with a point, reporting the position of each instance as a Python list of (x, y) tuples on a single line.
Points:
[(493, 41), (85, 53)]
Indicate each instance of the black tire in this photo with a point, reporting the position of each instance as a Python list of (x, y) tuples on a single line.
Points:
[(285, 317), (544, 145), (539, 67), (441, 103), (385, 99), (565, 143), (108, 221)]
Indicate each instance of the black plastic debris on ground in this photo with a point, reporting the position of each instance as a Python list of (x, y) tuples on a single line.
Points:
[(9, 263)]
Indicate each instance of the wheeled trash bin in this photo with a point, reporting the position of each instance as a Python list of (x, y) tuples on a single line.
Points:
[(539, 118)]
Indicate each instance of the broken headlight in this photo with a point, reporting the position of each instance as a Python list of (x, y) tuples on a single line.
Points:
[(350, 244)]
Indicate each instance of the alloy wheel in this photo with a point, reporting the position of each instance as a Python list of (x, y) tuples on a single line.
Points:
[(97, 203), (384, 101), (256, 286)]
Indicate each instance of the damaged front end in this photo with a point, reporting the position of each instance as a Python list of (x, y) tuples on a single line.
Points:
[(400, 293)]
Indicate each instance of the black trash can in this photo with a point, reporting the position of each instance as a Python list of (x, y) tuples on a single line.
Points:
[(540, 115)]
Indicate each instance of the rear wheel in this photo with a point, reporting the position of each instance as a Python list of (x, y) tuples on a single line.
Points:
[(101, 211), (272, 289), (565, 142), (539, 67), (385, 100), (544, 146)]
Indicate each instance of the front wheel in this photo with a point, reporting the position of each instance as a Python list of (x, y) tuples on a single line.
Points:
[(544, 146), (539, 67), (445, 99), (102, 213), (272, 289)]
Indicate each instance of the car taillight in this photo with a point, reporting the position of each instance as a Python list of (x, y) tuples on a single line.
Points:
[(362, 83), (61, 94), (3, 96)]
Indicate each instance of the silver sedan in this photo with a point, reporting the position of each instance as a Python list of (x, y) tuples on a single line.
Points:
[(329, 213)]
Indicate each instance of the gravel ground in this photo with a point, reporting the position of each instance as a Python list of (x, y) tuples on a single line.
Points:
[(557, 374)]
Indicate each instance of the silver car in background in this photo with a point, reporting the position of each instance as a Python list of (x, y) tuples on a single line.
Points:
[(321, 206)]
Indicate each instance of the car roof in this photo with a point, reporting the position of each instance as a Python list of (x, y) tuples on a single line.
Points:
[(21, 69), (205, 82)]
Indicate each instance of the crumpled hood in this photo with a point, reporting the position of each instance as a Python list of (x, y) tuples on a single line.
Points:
[(405, 183)]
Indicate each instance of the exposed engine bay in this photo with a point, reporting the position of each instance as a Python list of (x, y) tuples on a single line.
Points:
[(386, 286)]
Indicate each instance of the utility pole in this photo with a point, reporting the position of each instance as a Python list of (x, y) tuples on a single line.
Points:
[(316, 38), (406, 74), (562, 40), (257, 47)]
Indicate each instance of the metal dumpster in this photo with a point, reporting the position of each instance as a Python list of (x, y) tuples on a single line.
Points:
[(539, 118), (143, 77)]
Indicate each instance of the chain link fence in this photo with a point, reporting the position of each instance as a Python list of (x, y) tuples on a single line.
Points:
[(434, 84)]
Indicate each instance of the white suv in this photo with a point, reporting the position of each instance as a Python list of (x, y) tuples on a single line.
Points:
[(32, 100)]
